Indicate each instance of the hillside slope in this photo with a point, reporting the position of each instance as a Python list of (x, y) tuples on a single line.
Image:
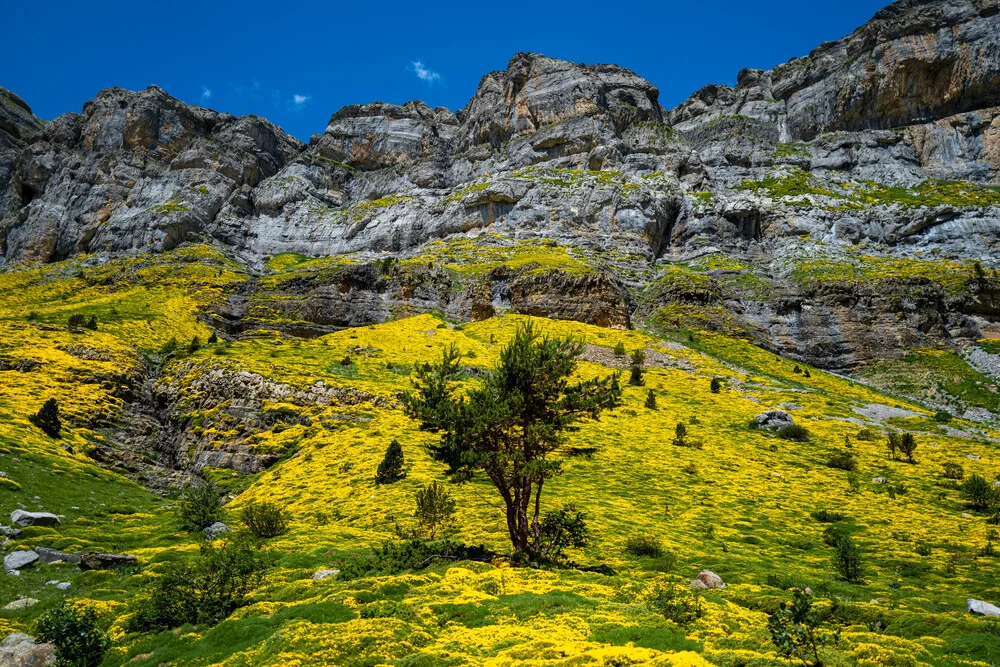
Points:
[(738, 503)]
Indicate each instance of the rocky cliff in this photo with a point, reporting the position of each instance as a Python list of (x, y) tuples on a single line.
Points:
[(829, 208)]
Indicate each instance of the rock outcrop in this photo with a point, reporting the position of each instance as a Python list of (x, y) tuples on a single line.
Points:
[(842, 153)]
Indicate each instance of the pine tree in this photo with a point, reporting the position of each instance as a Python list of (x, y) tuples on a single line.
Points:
[(92, 323), (635, 375), (391, 468), (716, 385), (194, 345), (435, 508), (651, 400), (213, 339), (680, 433), (47, 418), (513, 424)]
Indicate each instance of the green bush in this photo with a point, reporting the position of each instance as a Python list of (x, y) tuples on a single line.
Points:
[(47, 418), (620, 349), (391, 468), (943, 416), (644, 545), (795, 631), (843, 460), (77, 321), (169, 347), (826, 516), (980, 494), (716, 385), (866, 435), (75, 633), (91, 323), (264, 519), (434, 508), (675, 602), (346, 361), (194, 345), (848, 559), (204, 591), (953, 470), (200, 506), (793, 432), (560, 529), (397, 557), (834, 534), (213, 339), (907, 446)]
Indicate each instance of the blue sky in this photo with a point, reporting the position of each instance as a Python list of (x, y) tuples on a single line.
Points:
[(296, 63)]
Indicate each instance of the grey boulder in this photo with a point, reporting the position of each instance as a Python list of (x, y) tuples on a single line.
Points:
[(20, 650), (319, 575), (774, 419), (982, 608), (53, 556), (25, 519), (22, 603), (217, 530), (18, 560)]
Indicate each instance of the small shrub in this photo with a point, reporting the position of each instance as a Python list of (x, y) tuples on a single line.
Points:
[(806, 373), (75, 633), (391, 468), (716, 385), (636, 371), (264, 519), (346, 361), (644, 544), (843, 460), (978, 492), (204, 591), (213, 339), (793, 432), (680, 435), (952, 470), (32, 316), (194, 345), (200, 506), (866, 435), (892, 443), (834, 534), (923, 549), (907, 446), (826, 516), (620, 349), (853, 483), (795, 630), (675, 602), (91, 323), (434, 508), (847, 559), (943, 416), (77, 321), (797, 369), (47, 418), (561, 529), (651, 400), (169, 347)]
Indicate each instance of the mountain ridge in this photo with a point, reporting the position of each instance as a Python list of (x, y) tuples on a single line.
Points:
[(585, 157)]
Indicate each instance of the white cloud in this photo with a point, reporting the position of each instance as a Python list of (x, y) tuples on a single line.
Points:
[(424, 73), (206, 94), (299, 100)]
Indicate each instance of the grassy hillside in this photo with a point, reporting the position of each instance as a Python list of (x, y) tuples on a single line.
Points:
[(740, 503)]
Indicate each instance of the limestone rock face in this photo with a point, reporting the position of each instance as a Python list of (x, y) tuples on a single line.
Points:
[(841, 153), (133, 171)]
